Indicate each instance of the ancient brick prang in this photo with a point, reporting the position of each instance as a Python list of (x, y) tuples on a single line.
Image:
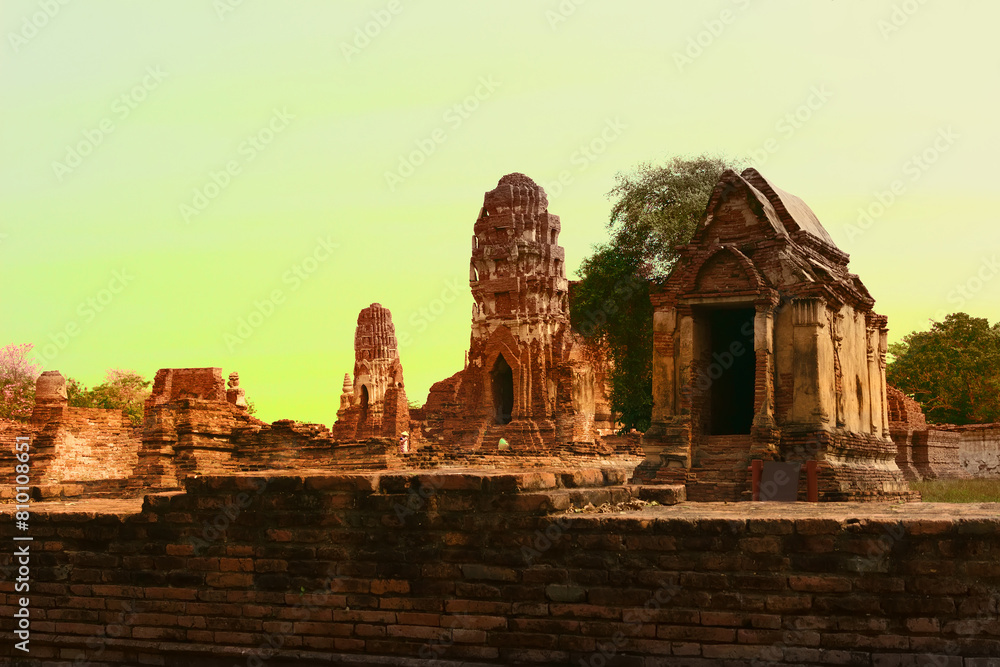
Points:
[(374, 405), (529, 379), (761, 332)]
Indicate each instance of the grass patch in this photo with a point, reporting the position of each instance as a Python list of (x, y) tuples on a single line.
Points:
[(959, 490)]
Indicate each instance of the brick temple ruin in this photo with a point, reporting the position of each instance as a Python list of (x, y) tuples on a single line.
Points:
[(207, 537), (529, 378), (374, 404), (765, 347)]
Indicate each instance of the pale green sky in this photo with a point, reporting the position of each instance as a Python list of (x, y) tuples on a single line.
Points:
[(113, 115)]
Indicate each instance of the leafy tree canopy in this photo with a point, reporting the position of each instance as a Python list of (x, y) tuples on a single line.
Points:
[(952, 370), (655, 209), (123, 390)]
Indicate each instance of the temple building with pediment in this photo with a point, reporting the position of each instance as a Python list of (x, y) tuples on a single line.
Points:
[(767, 347)]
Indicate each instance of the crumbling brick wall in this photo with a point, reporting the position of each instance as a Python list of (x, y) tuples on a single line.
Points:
[(923, 451), (93, 446), (489, 568), (905, 419), (187, 428), (978, 448), (174, 383), (88, 444)]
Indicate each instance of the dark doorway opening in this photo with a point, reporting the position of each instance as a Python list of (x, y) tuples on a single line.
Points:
[(364, 404), (503, 391), (731, 367)]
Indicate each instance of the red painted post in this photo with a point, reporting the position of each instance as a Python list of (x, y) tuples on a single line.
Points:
[(812, 483), (756, 470)]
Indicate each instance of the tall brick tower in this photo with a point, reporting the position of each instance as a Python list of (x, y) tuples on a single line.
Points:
[(517, 269), (378, 381), (376, 359), (529, 378)]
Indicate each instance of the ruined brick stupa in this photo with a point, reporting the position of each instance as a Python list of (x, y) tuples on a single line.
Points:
[(529, 379), (374, 404), (766, 347)]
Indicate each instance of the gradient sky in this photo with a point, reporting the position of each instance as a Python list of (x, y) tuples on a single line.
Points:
[(287, 118)]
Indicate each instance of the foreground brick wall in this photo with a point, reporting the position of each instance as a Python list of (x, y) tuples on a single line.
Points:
[(488, 569)]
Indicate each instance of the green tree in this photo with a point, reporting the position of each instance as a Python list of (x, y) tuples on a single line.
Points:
[(17, 381), (77, 395), (952, 370), (123, 390), (655, 210)]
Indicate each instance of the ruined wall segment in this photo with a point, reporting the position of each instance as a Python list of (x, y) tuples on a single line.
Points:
[(979, 449), (92, 450), (529, 378), (935, 451), (905, 420), (767, 347), (188, 424)]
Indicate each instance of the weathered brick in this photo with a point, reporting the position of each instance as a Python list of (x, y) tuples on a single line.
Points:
[(491, 573), (471, 622), (819, 584)]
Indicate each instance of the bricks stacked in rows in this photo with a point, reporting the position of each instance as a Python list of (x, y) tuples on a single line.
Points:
[(476, 567)]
